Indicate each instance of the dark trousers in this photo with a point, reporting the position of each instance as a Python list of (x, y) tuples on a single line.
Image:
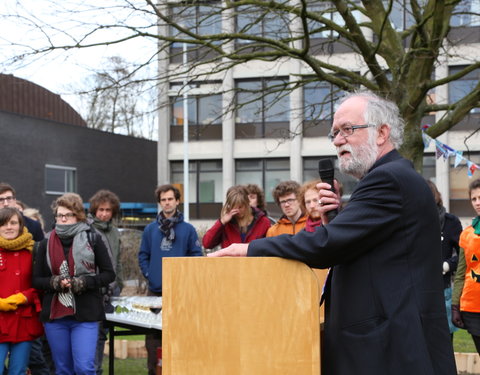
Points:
[(40, 363), (152, 342), (102, 338)]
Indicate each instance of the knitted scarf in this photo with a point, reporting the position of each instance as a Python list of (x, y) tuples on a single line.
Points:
[(111, 233), (166, 226), (24, 241), (476, 225), (80, 262), (311, 225)]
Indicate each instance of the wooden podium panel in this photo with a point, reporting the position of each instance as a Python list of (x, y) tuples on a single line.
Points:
[(248, 316)]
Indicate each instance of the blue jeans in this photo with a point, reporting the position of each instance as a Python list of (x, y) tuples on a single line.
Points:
[(18, 361), (73, 345)]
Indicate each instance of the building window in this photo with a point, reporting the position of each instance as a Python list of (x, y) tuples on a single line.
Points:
[(466, 13), (60, 180), (266, 173), (204, 116), (463, 86), (263, 108), (318, 102), (316, 28), (258, 21), (205, 178), (400, 13), (203, 19), (326, 10), (319, 99), (205, 186)]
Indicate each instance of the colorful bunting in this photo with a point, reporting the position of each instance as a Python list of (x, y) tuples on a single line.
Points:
[(445, 151)]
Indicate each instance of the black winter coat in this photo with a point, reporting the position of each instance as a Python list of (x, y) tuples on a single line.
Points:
[(89, 304), (385, 310)]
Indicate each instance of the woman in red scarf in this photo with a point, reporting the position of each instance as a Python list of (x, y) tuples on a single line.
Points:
[(71, 266), (19, 302)]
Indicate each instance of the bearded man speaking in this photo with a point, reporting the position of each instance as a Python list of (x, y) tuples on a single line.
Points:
[(384, 311)]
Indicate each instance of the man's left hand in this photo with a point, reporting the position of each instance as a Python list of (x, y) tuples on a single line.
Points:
[(234, 250)]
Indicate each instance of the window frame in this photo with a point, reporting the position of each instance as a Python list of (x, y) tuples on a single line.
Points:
[(66, 183)]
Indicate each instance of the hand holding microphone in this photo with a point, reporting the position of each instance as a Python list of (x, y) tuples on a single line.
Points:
[(328, 198)]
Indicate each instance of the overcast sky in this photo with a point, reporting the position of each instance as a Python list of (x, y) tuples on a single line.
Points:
[(61, 72)]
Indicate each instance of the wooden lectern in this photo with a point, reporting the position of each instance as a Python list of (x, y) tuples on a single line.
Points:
[(240, 316)]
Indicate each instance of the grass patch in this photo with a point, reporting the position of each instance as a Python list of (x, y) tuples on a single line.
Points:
[(129, 337), (462, 342), (127, 366)]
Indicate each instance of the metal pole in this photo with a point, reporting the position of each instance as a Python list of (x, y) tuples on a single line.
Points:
[(186, 181)]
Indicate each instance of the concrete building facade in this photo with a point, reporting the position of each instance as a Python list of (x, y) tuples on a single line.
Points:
[(265, 141)]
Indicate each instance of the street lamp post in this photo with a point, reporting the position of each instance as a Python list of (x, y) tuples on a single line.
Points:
[(186, 181)]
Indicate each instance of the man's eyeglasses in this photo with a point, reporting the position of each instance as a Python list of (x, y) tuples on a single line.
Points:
[(68, 215), (346, 131), (287, 201), (7, 199)]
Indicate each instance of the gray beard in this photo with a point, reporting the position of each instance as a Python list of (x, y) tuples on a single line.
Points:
[(361, 159)]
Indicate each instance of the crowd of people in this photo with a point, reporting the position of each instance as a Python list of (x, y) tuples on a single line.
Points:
[(55, 285), (392, 252)]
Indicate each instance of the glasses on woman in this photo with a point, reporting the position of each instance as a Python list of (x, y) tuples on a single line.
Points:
[(68, 215)]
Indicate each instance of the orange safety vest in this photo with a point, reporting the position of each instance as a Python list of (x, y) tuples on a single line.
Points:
[(470, 243)]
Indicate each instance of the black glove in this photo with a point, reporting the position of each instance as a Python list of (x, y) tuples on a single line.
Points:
[(56, 283), (457, 317), (79, 284)]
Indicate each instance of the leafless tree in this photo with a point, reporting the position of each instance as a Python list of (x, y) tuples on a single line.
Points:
[(115, 101), (396, 58)]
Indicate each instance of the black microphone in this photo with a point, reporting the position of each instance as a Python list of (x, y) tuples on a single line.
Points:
[(326, 172)]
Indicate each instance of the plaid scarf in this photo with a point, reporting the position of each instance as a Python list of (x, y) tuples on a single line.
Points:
[(79, 261), (166, 226)]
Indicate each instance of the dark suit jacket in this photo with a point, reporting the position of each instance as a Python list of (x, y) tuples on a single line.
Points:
[(450, 249), (385, 311), (34, 228)]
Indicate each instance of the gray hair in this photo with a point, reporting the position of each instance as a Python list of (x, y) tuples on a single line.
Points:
[(380, 111)]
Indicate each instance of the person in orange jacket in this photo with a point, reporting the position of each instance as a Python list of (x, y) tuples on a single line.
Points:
[(19, 302), (293, 220), (466, 287)]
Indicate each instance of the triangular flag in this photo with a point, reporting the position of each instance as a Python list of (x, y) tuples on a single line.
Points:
[(458, 158), (426, 139), (440, 150), (471, 169)]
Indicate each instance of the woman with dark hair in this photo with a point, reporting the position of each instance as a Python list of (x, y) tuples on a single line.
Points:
[(451, 228), (256, 196), (466, 288), (103, 211), (19, 302), (238, 223), (71, 267)]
